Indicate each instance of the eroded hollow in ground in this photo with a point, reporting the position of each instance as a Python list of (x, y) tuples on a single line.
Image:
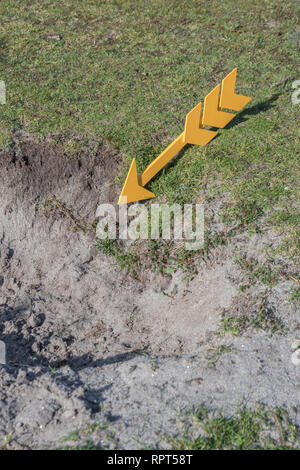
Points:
[(64, 302)]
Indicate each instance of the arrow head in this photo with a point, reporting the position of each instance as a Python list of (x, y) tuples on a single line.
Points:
[(132, 190)]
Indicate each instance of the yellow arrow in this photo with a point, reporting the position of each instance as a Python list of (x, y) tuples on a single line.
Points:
[(194, 133)]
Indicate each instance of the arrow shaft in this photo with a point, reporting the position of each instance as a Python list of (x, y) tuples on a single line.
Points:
[(162, 159)]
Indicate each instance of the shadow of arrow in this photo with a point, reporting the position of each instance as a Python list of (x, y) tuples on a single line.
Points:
[(260, 107), (243, 116)]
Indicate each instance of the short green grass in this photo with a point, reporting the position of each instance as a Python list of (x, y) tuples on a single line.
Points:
[(128, 71), (257, 272), (214, 355), (295, 295), (262, 428), (124, 259), (6, 441), (83, 439), (259, 317)]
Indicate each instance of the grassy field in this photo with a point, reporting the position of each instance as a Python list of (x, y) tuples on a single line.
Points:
[(127, 72), (268, 429)]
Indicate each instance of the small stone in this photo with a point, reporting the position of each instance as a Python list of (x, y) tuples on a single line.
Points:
[(296, 358), (54, 37), (295, 344), (35, 320), (271, 24), (2, 353), (21, 376)]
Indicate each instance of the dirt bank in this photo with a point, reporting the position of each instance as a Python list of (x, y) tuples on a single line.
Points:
[(79, 333)]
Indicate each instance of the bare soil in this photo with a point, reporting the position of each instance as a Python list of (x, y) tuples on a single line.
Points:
[(81, 334)]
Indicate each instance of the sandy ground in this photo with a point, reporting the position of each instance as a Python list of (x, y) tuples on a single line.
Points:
[(75, 327)]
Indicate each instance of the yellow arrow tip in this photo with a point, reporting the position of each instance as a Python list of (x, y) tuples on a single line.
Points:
[(132, 191)]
